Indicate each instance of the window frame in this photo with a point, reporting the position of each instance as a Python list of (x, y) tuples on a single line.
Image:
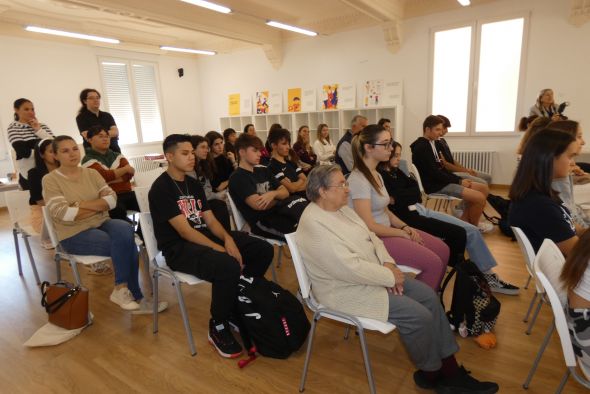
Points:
[(129, 62), (476, 26)]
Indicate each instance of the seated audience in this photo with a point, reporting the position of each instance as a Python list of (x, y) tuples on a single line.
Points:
[(351, 271), (343, 148), (525, 121), (204, 171), (457, 234), (23, 134), (114, 168), (224, 164), (386, 123), (229, 138), (193, 241), (436, 179), (323, 146), (91, 115), (258, 195), (545, 106), (534, 126), (264, 152), (78, 200), (302, 148), (576, 281), (285, 171), (369, 199), (449, 162), (536, 208)]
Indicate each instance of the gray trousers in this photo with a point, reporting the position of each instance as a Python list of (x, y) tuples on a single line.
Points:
[(422, 324), (480, 177)]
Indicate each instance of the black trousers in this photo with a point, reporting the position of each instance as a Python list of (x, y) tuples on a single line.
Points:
[(454, 236), (125, 201), (219, 209), (222, 270)]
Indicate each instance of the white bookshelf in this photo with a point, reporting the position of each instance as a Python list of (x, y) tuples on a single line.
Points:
[(338, 121)]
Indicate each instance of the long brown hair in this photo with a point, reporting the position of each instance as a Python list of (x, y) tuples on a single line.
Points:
[(306, 145), (576, 262), (319, 135), (569, 126), (369, 135), (534, 127)]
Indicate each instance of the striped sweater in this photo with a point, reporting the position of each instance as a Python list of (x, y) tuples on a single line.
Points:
[(23, 139), (105, 164)]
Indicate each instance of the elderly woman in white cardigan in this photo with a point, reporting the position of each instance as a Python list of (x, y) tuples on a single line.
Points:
[(351, 271)]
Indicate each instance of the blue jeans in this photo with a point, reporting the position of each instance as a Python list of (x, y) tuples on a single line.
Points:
[(114, 238), (476, 246)]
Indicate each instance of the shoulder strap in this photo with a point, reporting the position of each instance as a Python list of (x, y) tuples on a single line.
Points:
[(445, 284), (58, 303)]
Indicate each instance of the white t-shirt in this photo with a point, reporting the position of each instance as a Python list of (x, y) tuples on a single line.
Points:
[(361, 189)]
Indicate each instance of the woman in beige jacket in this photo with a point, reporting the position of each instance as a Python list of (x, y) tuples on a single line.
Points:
[(351, 271)]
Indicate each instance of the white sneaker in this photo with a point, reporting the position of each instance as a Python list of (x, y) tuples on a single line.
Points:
[(124, 299), (146, 307), (485, 227)]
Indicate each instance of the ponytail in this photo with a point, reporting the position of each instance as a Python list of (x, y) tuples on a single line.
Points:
[(367, 136)]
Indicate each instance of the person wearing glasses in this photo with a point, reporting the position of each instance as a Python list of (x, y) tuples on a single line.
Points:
[(352, 272), (370, 200), (91, 115)]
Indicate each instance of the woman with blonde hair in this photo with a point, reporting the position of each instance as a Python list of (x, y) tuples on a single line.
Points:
[(323, 146)]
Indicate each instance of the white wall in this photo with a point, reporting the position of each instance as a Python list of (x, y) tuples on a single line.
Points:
[(52, 75), (557, 57)]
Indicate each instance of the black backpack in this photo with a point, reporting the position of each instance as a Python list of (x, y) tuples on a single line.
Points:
[(502, 206), (474, 309), (270, 318)]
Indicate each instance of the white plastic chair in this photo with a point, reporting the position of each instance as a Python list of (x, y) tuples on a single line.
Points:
[(320, 311), (529, 258), (141, 195), (241, 225), (549, 261), (548, 277), (146, 178), (161, 269), (17, 202), (61, 253), (440, 200)]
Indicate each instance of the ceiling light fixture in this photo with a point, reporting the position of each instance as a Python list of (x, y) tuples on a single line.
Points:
[(37, 29), (209, 5), (464, 3), (292, 28), (188, 50)]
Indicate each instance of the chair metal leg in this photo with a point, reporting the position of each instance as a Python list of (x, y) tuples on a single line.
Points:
[(280, 258), (155, 300), (16, 248), (528, 282), (74, 266), (532, 323), (528, 312), (187, 324), (566, 375), (57, 267), (361, 332), (527, 382), (31, 258), (346, 332), (308, 354)]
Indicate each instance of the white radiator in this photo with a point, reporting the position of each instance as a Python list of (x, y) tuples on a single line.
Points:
[(141, 164), (479, 161)]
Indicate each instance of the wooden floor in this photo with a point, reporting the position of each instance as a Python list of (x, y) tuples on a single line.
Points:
[(119, 352)]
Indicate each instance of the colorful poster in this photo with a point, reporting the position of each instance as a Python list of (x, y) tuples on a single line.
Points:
[(275, 103), (347, 96), (294, 100), (308, 100), (330, 96), (262, 102), (373, 93), (234, 104)]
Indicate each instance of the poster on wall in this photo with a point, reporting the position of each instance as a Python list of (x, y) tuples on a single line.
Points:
[(392, 93), (262, 102), (308, 100), (275, 103), (373, 94), (347, 96), (246, 105), (329, 96), (234, 104), (294, 100)]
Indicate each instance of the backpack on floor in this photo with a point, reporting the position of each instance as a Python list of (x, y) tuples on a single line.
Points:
[(474, 309), (270, 318), (502, 206)]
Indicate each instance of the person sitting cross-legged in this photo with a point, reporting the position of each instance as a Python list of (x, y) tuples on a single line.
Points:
[(193, 241)]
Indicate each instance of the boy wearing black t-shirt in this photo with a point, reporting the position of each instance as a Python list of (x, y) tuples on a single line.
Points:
[(193, 241), (258, 195), (284, 170)]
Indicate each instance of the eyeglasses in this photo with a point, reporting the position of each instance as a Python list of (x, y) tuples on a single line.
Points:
[(342, 185), (386, 145)]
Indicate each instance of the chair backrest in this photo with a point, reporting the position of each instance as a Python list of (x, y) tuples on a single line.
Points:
[(302, 278), (527, 250), (17, 202), (560, 321), (238, 218), (416, 174), (146, 178), (149, 237), (550, 261), (50, 227), (141, 195)]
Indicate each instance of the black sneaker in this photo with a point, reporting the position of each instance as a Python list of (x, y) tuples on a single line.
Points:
[(422, 381), (497, 285), (223, 340), (463, 383)]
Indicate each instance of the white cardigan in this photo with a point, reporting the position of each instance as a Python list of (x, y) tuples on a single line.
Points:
[(344, 261), (324, 152)]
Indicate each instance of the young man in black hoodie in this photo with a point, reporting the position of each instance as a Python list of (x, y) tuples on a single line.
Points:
[(436, 179)]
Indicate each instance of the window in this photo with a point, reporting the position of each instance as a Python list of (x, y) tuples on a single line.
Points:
[(131, 91), (476, 75)]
